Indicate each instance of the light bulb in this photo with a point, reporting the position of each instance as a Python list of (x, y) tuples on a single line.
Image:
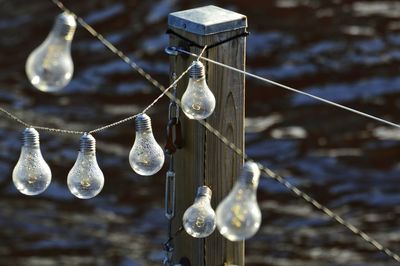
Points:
[(198, 102), (146, 156), (238, 215), (199, 219), (49, 67), (31, 175), (86, 180)]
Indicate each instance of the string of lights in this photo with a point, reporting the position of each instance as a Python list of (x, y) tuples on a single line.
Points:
[(269, 81), (306, 197), (250, 172), (79, 132)]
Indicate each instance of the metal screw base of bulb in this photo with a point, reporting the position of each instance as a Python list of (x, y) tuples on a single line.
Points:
[(204, 191), (197, 71), (142, 123), (250, 173), (30, 137), (87, 144), (65, 25)]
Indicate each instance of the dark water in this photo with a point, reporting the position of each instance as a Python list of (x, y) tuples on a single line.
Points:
[(346, 51)]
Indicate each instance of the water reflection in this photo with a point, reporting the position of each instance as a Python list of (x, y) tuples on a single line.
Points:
[(346, 51)]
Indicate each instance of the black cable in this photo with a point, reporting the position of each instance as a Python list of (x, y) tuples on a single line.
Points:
[(192, 43)]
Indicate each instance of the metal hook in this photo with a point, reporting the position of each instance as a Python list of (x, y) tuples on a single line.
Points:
[(171, 50)]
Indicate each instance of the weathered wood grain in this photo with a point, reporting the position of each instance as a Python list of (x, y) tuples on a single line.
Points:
[(204, 159)]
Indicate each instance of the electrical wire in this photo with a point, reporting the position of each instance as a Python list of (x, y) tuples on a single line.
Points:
[(67, 131), (290, 88), (122, 121), (268, 172), (303, 195)]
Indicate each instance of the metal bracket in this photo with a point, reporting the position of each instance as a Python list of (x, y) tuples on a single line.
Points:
[(171, 50), (170, 195), (176, 50)]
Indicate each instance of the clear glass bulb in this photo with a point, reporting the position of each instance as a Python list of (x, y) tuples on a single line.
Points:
[(199, 219), (31, 175), (238, 214), (198, 102), (49, 67), (146, 156), (86, 180)]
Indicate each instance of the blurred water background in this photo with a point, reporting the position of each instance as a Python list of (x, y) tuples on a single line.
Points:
[(346, 51)]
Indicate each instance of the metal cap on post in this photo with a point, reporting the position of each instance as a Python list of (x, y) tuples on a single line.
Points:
[(204, 160), (207, 20)]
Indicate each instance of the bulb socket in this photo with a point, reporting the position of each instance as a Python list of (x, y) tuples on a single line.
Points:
[(142, 123), (197, 71), (30, 138), (204, 191), (250, 174), (65, 25), (87, 143)]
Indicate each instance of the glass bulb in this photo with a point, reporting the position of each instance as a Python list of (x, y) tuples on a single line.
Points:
[(49, 67), (198, 102), (146, 156), (31, 175), (238, 215), (199, 219), (86, 180)]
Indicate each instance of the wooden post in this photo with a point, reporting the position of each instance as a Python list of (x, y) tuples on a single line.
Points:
[(204, 159)]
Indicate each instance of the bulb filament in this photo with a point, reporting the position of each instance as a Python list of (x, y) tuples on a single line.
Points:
[(85, 183), (32, 179), (200, 221), (52, 54), (196, 106), (239, 216)]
